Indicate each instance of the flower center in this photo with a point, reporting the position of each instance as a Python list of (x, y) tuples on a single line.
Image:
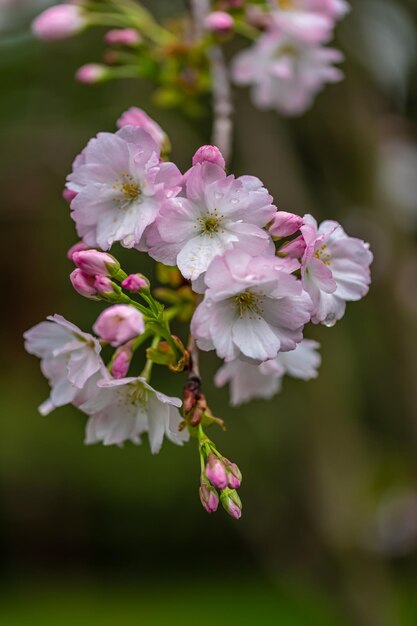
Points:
[(322, 254), (128, 190), (249, 301), (210, 223), (135, 395)]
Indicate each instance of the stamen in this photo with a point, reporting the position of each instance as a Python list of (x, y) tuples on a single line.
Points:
[(210, 223), (128, 190), (322, 255), (248, 301)]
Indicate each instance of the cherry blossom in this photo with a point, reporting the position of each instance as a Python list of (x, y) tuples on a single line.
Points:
[(217, 212), (335, 269), (253, 307), (120, 184), (126, 408)]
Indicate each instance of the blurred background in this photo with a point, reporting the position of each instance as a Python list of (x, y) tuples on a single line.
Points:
[(329, 533)]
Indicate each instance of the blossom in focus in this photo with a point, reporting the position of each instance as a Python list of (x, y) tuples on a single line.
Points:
[(284, 224), (69, 358), (211, 154), (137, 117), (119, 323), (253, 308), (218, 212), (95, 262), (285, 72), (121, 184), (248, 381), (84, 284), (126, 408), (334, 269), (59, 22)]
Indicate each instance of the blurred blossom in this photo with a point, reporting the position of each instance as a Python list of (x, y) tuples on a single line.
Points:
[(394, 530), (397, 179), (382, 37)]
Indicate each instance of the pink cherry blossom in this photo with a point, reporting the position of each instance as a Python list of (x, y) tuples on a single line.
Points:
[(104, 286), (59, 22), (306, 26), (121, 185), (216, 472), (119, 323), (69, 358), (285, 72), (218, 212), (95, 263), (137, 117), (126, 408), (335, 269), (135, 282), (253, 308), (248, 381), (211, 154), (77, 247), (208, 496), (123, 37), (219, 22)]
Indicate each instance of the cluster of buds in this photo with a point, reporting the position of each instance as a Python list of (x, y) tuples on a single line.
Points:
[(218, 474)]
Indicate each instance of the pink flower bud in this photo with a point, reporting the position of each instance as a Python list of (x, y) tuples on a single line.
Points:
[(136, 117), (69, 195), (77, 247), (59, 22), (104, 286), (96, 263), (208, 496), (285, 224), (211, 154), (216, 472), (123, 37), (293, 249), (231, 503), (135, 282), (219, 22), (84, 284), (91, 73), (121, 361), (234, 475), (119, 323)]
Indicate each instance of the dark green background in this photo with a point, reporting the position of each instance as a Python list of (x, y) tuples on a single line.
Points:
[(114, 536)]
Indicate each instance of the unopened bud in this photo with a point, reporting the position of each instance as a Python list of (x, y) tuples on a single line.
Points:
[(219, 22), (216, 472), (123, 37), (59, 22), (209, 154), (105, 287), (208, 496), (69, 195), (96, 263), (119, 323), (77, 247), (92, 73), (137, 117), (121, 361), (234, 475), (231, 503), (136, 282), (285, 224), (293, 249), (83, 284)]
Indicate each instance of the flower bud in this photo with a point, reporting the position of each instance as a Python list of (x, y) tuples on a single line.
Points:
[(123, 37), (121, 361), (84, 284), (216, 472), (211, 154), (59, 22), (135, 282), (91, 73), (119, 323), (219, 22), (208, 496), (77, 247), (234, 475), (105, 287), (69, 195), (96, 263), (136, 117), (285, 224), (293, 249), (231, 503)]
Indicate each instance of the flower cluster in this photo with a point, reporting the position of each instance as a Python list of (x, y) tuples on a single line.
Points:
[(247, 277), (287, 63)]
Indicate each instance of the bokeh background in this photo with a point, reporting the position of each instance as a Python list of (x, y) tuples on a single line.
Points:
[(329, 533)]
